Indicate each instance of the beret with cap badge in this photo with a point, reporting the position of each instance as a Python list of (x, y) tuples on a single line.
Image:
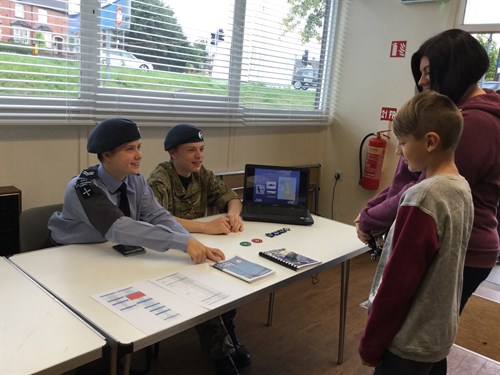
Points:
[(182, 133), (112, 133)]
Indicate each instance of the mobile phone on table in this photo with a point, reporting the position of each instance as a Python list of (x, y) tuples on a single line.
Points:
[(129, 249)]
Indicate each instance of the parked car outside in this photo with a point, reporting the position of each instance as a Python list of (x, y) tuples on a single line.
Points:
[(118, 57), (305, 78), (492, 85)]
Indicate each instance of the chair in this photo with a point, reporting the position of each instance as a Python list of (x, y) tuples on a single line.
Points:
[(33, 230)]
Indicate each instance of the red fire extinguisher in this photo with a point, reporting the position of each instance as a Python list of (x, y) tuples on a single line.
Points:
[(370, 175)]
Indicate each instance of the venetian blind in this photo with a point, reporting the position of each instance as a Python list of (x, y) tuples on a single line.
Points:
[(224, 63)]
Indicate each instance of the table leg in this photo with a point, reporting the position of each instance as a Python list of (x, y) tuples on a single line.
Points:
[(270, 310), (127, 361), (344, 281), (112, 358)]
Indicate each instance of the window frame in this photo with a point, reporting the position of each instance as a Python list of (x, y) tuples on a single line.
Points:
[(473, 28), (486, 28), (21, 35), (19, 10), (97, 102), (43, 16)]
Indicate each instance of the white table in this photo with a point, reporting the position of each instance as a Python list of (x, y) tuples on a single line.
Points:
[(76, 272), (330, 241), (37, 333)]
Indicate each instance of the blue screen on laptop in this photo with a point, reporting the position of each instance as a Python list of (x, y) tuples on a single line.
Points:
[(272, 186)]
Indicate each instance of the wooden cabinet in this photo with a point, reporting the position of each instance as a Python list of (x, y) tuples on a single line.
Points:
[(10, 210)]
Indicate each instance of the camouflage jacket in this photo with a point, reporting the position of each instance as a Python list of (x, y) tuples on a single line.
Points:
[(204, 190)]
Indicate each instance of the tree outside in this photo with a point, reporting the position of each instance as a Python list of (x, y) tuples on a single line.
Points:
[(484, 40), (312, 12), (155, 33)]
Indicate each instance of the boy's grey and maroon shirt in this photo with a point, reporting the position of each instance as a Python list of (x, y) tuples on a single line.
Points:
[(415, 296)]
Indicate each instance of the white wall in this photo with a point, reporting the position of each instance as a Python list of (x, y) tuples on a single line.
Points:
[(40, 160), (367, 79)]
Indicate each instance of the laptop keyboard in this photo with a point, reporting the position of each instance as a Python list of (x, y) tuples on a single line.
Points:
[(280, 211)]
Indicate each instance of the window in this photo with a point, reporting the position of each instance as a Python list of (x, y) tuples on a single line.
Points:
[(481, 12), (482, 19), (19, 10), (47, 39), (230, 62), (21, 35), (42, 16)]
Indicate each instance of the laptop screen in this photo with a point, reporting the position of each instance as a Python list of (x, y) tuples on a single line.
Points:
[(276, 186)]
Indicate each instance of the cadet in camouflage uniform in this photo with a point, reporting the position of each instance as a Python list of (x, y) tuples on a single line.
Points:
[(203, 190), (185, 188)]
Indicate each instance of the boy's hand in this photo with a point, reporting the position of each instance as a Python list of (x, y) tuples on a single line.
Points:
[(200, 253), (221, 225), (235, 222)]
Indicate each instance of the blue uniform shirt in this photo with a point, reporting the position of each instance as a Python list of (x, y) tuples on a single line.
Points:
[(90, 214)]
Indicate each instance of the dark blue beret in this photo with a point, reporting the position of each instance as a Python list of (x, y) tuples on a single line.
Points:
[(112, 133), (182, 133)]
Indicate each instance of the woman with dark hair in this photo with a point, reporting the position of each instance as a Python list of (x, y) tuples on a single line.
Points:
[(458, 63), (452, 63)]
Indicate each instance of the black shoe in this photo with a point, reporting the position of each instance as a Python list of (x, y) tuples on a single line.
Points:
[(241, 356), (225, 366)]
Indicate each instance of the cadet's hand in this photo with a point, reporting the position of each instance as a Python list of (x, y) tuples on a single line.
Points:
[(215, 255), (200, 253), (363, 237), (220, 225), (235, 222)]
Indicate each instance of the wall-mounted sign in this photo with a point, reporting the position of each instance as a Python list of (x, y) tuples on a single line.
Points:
[(119, 16), (398, 48), (388, 114)]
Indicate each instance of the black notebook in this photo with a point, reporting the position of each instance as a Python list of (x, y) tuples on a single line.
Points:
[(289, 258)]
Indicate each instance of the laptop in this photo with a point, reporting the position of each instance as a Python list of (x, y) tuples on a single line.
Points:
[(276, 194)]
